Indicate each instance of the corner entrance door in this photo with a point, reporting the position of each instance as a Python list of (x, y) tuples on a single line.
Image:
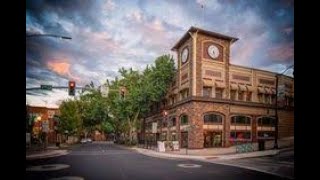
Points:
[(184, 139), (212, 139)]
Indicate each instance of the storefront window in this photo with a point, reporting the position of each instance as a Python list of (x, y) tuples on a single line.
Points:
[(207, 91), (212, 119), (240, 135)]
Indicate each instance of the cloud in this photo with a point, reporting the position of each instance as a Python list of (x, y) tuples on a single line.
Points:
[(282, 52), (62, 68)]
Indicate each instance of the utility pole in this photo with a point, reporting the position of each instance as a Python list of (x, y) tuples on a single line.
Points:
[(276, 109)]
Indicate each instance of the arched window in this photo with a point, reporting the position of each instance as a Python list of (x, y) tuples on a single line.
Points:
[(241, 120), (184, 119), (243, 133), (266, 121), (212, 119)]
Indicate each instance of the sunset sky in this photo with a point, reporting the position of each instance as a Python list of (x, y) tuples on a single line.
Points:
[(110, 34)]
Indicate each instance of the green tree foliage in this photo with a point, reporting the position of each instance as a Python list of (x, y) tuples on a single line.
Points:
[(70, 118)]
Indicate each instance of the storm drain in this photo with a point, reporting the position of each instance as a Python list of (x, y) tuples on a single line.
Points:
[(68, 178), (49, 167), (189, 165)]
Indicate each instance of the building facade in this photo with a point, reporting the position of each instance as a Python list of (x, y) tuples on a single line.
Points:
[(41, 115), (213, 103)]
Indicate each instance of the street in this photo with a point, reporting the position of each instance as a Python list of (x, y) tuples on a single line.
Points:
[(97, 161), (281, 164)]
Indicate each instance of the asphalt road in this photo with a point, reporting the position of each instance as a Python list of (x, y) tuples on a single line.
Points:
[(101, 161)]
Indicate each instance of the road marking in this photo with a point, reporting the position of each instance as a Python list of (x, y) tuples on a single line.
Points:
[(68, 178), (189, 165), (48, 167)]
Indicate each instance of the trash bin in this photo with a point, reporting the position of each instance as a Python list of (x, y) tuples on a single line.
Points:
[(261, 145)]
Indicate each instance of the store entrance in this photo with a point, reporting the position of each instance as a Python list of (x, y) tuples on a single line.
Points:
[(212, 139), (184, 139)]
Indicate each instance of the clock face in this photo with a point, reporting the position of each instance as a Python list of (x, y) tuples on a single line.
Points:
[(213, 51), (184, 55)]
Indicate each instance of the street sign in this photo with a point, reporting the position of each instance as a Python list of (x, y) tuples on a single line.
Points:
[(104, 90), (46, 87), (45, 126), (154, 127)]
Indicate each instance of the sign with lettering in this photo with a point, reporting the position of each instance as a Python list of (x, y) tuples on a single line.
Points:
[(175, 145), (45, 126), (154, 127), (161, 147)]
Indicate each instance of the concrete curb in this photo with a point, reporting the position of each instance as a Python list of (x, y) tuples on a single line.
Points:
[(217, 157), (53, 153)]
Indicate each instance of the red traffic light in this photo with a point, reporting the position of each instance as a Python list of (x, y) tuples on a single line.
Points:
[(71, 83)]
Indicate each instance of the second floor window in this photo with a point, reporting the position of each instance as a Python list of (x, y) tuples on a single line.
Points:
[(260, 98), (249, 96), (241, 96), (233, 95), (219, 93), (207, 91), (241, 120)]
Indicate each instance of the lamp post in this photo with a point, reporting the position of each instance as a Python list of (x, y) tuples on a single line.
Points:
[(50, 35), (276, 110)]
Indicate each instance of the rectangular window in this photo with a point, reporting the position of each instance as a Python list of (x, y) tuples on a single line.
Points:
[(273, 99), (233, 94), (207, 91), (241, 96), (184, 120), (249, 96), (267, 98), (219, 92), (173, 121), (260, 98), (184, 94)]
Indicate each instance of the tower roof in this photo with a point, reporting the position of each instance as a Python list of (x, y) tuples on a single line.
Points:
[(209, 33)]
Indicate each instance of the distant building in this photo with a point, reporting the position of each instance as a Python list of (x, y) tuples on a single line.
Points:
[(213, 103), (42, 115)]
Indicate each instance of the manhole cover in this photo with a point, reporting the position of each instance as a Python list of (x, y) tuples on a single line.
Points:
[(189, 165), (68, 178), (51, 167)]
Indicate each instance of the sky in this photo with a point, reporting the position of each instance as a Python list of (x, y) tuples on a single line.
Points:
[(110, 34)]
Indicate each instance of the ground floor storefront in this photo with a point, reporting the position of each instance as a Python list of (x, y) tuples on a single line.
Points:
[(197, 125)]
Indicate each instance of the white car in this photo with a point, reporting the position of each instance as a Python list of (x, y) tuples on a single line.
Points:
[(86, 140)]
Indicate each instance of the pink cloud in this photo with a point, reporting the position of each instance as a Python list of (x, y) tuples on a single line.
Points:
[(282, 52), (61, 68), (288, 30)]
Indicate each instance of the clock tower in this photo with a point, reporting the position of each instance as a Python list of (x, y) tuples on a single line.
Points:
[(203, 61)]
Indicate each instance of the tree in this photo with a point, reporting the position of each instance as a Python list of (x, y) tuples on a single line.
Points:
[(70, 118), (142, 90)]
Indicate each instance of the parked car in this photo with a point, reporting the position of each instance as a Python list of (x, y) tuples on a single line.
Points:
[(86, 140)]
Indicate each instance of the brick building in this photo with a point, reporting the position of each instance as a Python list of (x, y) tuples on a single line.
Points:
[(213, 103), (42, 114)]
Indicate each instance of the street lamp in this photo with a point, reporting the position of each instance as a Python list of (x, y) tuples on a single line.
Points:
[(276, 110), (50, 35)]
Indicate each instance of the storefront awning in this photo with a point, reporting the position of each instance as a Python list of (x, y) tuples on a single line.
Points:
[(219, 85), (208, 82), (250, 88), (233, 87), (267, 90), (261, 90), (242, 88)]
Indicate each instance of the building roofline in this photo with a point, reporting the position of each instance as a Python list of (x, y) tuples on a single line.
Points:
[(210, 33), (41, 107), (260, 70)]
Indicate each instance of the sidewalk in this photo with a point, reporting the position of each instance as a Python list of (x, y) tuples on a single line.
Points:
[(37, 152), (221, 153)]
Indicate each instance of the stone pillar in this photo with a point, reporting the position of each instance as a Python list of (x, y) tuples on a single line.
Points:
[(254, 129), (195, 135), (227, 123)]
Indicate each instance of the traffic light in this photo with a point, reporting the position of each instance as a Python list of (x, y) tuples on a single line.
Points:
[(72, 88)]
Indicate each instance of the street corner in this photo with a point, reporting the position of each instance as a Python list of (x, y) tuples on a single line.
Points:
[(47, 154)]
